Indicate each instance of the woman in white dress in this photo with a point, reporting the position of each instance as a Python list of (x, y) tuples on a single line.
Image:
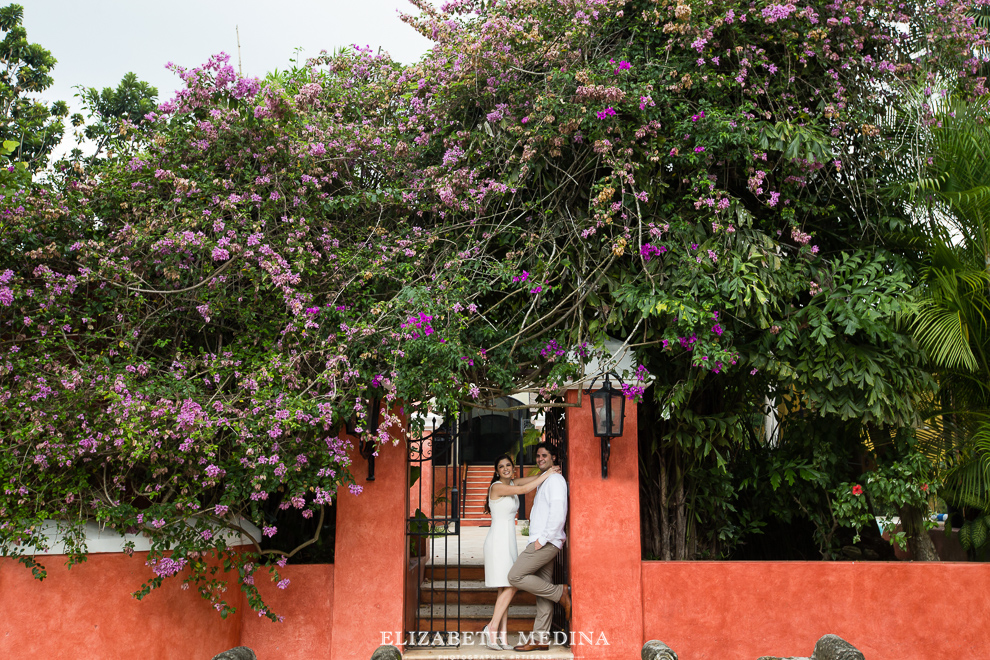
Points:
[(500, 544)]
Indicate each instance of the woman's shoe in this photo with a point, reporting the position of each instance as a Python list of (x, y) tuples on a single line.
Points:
[(488, 640), (505, 647)]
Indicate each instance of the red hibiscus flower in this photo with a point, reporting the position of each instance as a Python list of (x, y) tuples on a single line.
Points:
[(857, 490)]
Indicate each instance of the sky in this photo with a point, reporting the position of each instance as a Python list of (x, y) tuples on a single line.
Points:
[(97, 41)]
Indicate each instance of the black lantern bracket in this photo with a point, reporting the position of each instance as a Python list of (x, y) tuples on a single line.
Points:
[(608, 413), (368, 443)]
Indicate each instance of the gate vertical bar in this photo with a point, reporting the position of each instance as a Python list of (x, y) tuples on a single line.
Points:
[(555, 433), (441, 450)]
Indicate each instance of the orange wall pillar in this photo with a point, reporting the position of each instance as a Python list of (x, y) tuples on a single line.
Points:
[(604, 540), (370, 559), (306, 606)]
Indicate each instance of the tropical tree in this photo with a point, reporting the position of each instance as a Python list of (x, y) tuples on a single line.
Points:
[(25, 70), (953, 312), (114, 113)]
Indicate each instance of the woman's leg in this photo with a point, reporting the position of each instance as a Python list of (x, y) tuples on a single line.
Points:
[(493, 624), (492, 629), (500, 615)]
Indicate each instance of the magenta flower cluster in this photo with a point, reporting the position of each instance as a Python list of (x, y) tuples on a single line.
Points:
[(648, 251), (552, 350)]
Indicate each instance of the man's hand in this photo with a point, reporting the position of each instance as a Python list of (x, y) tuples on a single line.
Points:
[(538, 546)]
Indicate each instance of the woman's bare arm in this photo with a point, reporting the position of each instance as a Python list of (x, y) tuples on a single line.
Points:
[(522, 481), (501, 490)]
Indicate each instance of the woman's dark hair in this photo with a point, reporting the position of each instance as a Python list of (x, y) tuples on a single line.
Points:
[(498, 460)]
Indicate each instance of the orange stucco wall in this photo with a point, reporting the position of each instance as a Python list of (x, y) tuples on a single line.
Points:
[(330, 611), (370, 559), (889, 611), (604, 544), (703, 610), (88, 612), (306, 606)]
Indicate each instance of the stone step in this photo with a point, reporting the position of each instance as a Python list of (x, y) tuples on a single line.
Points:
[(471, 592), (481, 613), (441, 573), (514, 625), (476, 650)]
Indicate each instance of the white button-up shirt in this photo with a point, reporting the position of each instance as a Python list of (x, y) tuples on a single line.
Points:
[(546, 518)]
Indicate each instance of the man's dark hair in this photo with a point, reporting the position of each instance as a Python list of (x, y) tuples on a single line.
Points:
[(550, 448)]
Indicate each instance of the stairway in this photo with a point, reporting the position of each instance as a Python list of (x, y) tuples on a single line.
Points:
[(477, 480), (443, 586), (440, 591), (452, 582)]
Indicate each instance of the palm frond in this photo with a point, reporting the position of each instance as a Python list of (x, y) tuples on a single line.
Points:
[(966, 485), (944, 335)]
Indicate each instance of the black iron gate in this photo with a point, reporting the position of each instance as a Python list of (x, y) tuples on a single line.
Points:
[(555, 433), (436, 480)]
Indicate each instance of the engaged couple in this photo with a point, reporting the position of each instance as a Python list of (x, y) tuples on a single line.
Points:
[(531, 571)]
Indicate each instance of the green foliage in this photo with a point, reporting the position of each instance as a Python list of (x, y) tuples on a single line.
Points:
[(116, 113), (884, 492), (973, 535), (952, 317), (25, 70)]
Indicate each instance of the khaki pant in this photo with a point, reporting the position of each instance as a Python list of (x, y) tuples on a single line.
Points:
[(532, 572)]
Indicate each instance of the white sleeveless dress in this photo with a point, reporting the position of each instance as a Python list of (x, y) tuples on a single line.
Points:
[(500, 544)]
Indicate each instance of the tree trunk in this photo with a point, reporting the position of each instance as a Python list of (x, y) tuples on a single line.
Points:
[(647, 523), (664, 513), (919, 542), (680, 523)]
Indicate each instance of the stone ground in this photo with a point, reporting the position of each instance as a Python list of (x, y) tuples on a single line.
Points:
[(472, 545)]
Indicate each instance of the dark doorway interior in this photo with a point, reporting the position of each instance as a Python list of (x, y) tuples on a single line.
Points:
[(491, 433)]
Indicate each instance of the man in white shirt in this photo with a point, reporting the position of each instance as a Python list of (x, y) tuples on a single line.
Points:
[(533, 569)]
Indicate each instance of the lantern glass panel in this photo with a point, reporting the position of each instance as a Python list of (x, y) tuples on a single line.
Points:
[(598, 402), (618, 406)]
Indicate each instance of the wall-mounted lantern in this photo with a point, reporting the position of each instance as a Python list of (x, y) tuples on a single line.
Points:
[(368, 442), (608, 410)]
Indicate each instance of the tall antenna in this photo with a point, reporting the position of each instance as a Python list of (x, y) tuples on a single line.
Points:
[(240, 69)]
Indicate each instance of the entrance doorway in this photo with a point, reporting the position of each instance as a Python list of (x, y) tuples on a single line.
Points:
[(445, 590)]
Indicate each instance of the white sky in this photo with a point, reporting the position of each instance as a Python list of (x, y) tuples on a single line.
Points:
[(97, 41)]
